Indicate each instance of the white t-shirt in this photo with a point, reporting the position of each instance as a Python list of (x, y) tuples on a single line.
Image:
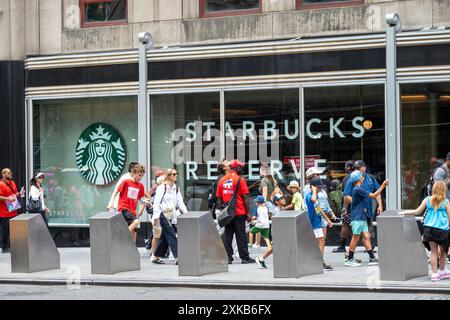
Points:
[(262, 220)]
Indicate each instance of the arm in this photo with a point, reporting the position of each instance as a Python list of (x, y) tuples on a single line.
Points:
[(447, 207), (180, 203), (246, 199), (44, 207), (378, 192), (110, 204), (419, 209), (265, 190), (330, 223), (314, 194)]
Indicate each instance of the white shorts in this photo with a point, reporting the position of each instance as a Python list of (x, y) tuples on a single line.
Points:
[(318, 233)]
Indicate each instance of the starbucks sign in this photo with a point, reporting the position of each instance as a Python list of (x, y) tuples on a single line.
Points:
[(100, 154)]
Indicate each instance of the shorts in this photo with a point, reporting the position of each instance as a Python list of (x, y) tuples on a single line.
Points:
[(264, 231), (157, 229), (318, 233), (436, 235), (128, 216), (324, 222), (359, 226)]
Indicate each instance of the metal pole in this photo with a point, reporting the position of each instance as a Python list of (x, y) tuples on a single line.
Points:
[(392, 115), (145, 43)]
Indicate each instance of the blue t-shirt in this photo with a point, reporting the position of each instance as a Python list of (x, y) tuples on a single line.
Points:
[(370, 185), (314, 218), (436, 218), (359, 210)]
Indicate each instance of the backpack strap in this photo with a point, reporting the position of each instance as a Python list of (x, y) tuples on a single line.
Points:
[(165, 189)]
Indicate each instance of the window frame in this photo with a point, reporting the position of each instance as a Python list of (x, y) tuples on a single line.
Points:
[(227, 13), (332, 4), (84, 24)]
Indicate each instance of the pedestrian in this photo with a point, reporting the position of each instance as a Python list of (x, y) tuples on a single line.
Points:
[(345, 211), (311, 173), (168, 205), (114, 201), (435, 228), (228, 185), (359, 218), (370, 184), (442, 174), (336, 196), (9, 206), (261, 225), (36, 200), (315, 214), (222, 169), (131, 191), (297, 202), (322, 197)]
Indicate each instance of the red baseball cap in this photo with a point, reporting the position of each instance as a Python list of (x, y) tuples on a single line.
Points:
[(236, 163)]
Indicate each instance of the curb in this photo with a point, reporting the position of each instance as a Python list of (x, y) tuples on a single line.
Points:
[(233, 285)]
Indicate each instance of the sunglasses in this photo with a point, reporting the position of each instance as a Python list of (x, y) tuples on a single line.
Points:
[(173, 174)]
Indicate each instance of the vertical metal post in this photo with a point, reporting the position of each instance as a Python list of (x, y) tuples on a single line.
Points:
[(392, 115), (301, 137), (222, 126), (145, 43)]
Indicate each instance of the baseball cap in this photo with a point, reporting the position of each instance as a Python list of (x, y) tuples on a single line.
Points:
[(316, 182), (448, 156), (236, 163), (312, 171), (38, 175), (349, 163), (260, 199), (359, 164), (356, 176), (277, 197)]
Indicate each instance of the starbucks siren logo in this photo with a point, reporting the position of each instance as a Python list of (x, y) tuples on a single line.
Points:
[(100, 154)]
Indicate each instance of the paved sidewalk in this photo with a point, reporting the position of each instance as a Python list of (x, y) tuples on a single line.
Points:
[(76, 261)]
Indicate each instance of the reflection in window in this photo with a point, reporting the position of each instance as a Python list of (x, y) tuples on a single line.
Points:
[(345, 123), (425, 115), (322, 1), (61, 133), (262, 126), (185, 135), (104, 11), (226, 5)]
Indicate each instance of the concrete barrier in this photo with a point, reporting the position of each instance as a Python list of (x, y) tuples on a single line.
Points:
[(296, 252), (112, 248), (200, 249), (401, 253), (32, 246)]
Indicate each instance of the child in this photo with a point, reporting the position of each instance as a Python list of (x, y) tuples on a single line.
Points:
[(359, 219), (435, 228), (315, 214), (336, 196), (261, 225), (297, 203), (131, 191)]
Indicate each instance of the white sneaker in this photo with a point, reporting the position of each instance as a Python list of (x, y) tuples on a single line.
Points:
[(352, 263), (444, 274), (435, 277), (255, 246)]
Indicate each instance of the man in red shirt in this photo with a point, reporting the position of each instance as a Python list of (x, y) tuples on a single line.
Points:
[(131, 191), (225, 190), (8, 194)]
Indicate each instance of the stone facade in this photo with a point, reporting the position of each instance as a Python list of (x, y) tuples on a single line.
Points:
[(42, 27)]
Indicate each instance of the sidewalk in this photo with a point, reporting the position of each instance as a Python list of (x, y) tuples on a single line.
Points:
[(76, 261)]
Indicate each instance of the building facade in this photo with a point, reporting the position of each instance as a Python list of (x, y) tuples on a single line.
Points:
[(292, 83)]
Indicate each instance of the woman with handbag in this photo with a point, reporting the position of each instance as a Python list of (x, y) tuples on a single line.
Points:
[(36, 203), (167, 206)]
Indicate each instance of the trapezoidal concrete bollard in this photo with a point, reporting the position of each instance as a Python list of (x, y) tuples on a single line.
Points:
[(401, 252), (296, 252), (200, 249), (32, 246), (112, 248)]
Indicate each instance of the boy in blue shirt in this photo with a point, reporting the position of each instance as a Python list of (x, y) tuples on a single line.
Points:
[(315, 214), (359, 218)]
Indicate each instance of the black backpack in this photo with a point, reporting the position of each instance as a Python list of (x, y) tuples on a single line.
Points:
[(212, 194), (428, 186)]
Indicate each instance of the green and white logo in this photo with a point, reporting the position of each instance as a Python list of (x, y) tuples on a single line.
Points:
[(100, 154)]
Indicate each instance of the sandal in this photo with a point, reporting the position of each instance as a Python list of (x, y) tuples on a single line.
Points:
[(158, 261)]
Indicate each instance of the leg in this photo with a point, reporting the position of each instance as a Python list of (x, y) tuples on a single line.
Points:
[(442, 260), (269, 250), (132, 227), (161, 246), (433, 256), (367, 242), (241, 238), (321, 242), (250, 238), (4, 233), (354, 243), (170, 236), (227, 239), (258, 239)]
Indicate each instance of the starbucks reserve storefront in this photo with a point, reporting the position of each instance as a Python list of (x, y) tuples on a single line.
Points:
[(294, 104)]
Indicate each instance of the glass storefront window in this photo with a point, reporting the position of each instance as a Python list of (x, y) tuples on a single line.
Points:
[(185, 135), (345, 123), (226, 5), (425, 136), (83, 146), (262, 126)]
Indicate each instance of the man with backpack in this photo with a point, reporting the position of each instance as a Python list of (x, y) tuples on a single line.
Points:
[(442, 173), (222, 168), (230, 184)]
